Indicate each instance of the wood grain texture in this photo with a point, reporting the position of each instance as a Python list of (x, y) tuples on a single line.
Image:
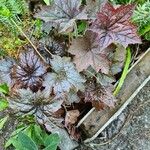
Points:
[(138, 76)]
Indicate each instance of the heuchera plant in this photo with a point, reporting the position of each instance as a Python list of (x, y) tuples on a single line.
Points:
[(29, 71), (114, 26), (63, 14), (47, 88)]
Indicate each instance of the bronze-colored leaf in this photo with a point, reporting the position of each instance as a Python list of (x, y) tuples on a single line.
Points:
[(88, 53), (71, 117)]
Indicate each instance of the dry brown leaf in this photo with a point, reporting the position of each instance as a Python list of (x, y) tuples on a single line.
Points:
[(71, 117)]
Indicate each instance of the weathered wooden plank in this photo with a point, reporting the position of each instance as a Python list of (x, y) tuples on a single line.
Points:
[(138, 75)]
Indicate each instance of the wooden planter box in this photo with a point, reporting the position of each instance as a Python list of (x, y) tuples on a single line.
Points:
[(94, 122)]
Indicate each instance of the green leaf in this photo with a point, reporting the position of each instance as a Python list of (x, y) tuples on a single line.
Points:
[(47, 2), (51, 147), (10, 141), (14, 133), (147, 36), (4, 88), (38, 135), (2, 122), (26, 142), (17, 144), (52, 142), (10, 10), (28, 131), (3, 104), (145, 29), (82, 27), (13, 136)]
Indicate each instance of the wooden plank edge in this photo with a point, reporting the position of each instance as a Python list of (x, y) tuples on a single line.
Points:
[(120, 110), (84, 118)]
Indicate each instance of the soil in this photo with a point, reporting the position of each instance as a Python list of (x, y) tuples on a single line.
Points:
[(130, 131)]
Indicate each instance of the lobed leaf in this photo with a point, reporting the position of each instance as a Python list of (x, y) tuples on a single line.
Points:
[(29, 71), (5, 71), (63, 13), (100, 97), (88, 53), (34, 103), (64, 78), (113, 26)]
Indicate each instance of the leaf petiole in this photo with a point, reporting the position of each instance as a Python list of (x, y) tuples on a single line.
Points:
[(125, 72)]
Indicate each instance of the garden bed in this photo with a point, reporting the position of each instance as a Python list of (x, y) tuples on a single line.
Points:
[(69, 69), (130, 130), (137, 78)]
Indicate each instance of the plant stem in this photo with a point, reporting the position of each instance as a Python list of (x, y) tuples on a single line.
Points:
[(21, 31), (125, 72)]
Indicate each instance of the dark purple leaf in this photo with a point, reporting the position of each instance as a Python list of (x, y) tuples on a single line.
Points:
[(29, 71), (100, 96), (114, 26)]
